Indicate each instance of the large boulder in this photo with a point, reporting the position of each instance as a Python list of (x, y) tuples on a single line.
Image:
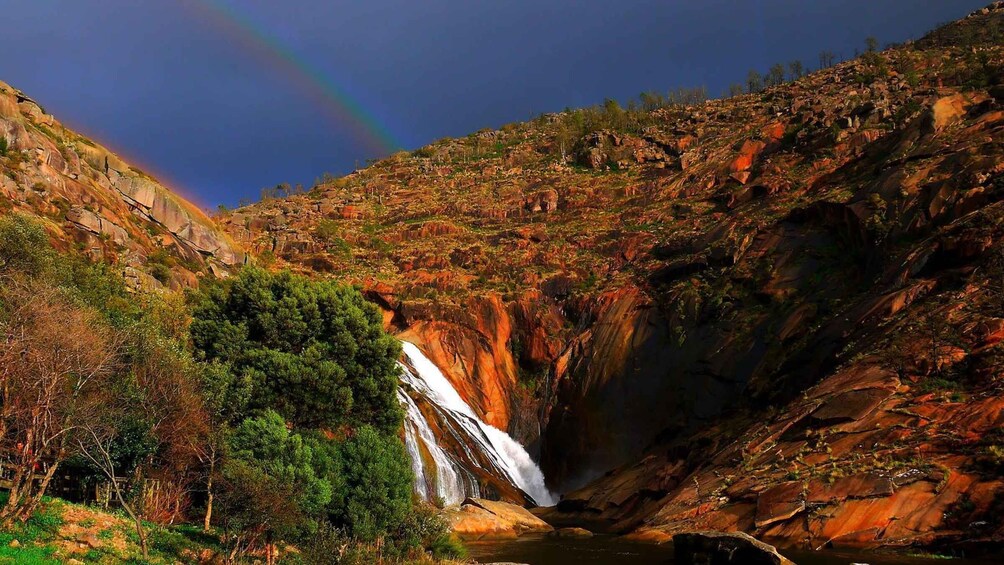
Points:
[(486, 519), (720, 548)]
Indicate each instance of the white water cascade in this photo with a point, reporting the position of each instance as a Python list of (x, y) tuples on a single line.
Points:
[(489, 449)]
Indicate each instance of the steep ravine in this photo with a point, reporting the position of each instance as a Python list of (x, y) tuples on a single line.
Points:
[(778, 312)]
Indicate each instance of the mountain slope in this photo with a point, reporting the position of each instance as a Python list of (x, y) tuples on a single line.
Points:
[(778, 312), (90, 198)]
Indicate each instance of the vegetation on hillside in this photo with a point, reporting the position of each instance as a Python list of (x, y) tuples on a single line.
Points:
[(262, 408)]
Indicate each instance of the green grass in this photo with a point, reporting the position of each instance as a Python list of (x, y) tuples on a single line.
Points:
[(33, 536), (30, 555)]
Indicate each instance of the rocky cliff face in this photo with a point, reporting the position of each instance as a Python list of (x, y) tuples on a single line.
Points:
[(91, 199), (778, 312)]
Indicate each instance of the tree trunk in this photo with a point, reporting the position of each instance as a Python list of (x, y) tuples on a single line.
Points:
[(35, 498), (136, 519), (209, 496), (16, 496)]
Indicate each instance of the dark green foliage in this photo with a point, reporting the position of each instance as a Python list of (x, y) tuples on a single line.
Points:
[(986, 30), (327, 230), (271, 486), (160, 263), (315, 352), (266, 443), (975, 69), (426, 529), (132, 446), (161, 272), (3, 146), (371, 479)]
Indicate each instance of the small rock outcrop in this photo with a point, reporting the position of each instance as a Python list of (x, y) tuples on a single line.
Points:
[(485, 519), (719, 548), (579, 533)]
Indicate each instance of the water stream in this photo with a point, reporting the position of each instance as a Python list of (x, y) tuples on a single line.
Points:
[(447, 464), (611, 550)]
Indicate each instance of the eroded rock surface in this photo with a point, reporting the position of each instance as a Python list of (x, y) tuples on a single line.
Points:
[(777, 313), (485, 519), (91, 199)]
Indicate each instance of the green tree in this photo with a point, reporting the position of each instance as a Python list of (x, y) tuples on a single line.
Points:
[(613, 114), (371, 479), (267, 444), (775, 76), (269, 489), (796, 70), (754, 82), (651, 101), (314, 351)]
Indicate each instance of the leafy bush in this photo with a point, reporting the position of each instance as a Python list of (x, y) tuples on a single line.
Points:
[(427, 530), (24, 246), (314, 351), (371, 479), (161, 272), (327, 230), (266, 444), (3, 146)]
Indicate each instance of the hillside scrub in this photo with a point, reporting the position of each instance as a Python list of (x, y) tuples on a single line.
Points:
[(170, 419)]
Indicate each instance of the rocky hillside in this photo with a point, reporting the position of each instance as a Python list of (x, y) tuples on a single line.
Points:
[(779, 312), (89, 198)]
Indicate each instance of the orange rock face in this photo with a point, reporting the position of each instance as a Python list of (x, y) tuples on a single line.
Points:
[(475, 358), (777, 313)]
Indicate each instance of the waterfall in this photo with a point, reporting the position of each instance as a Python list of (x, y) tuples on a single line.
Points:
[(477, 447)]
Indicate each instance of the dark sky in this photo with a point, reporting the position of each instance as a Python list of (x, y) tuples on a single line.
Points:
[(223, 97)]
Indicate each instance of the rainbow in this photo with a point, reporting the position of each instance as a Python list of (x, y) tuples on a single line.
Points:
[(332, 100)]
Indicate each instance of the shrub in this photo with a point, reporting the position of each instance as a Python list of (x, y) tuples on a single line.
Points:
[(314, 351), (160, 272), (327, 230), (371, 480), (24, 246), (270, 488), (3, 146), (427, 530)]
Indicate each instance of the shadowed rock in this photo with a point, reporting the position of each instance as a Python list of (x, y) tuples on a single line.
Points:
[(718, 548)]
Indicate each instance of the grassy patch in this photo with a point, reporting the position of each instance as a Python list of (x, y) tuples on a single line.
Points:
[(33, 537)]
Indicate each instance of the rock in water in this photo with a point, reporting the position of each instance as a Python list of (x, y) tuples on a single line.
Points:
[(720, 548), (487, 519), (571, 533)]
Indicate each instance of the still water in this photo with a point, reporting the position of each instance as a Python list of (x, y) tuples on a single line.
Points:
[(610, 550)]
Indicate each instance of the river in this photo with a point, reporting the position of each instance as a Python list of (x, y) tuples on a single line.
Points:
[(610, 550)]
